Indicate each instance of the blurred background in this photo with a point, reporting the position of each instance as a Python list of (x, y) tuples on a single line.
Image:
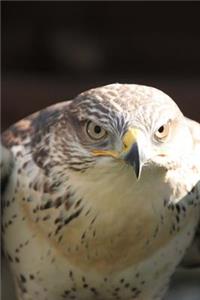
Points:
[(51, 51)]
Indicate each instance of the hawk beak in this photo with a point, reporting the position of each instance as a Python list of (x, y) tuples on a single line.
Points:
[(130, 151)]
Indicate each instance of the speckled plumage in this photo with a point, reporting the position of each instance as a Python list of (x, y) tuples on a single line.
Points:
[(80, 226)]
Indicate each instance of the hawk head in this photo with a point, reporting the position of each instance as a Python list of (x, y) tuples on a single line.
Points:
[(126, 125)]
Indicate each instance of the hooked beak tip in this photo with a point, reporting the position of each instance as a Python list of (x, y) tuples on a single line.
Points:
[(133, 158)]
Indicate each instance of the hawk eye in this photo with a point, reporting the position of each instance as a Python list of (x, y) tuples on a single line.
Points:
[(162, 132), (95, 131)]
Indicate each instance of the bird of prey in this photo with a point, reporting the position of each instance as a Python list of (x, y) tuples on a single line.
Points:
[(101, 196)]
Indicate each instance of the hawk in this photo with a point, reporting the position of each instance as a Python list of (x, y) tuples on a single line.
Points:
[(101, 196)]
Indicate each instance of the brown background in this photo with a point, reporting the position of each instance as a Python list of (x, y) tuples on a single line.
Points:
[(54, 50)]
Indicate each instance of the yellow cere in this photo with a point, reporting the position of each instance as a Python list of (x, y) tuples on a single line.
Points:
[(130, 138)]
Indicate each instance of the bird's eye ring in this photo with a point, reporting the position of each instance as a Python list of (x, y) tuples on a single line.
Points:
[(95, 131), (163, 132)]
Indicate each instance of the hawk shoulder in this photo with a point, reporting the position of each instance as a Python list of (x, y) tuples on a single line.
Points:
[(192, 257)]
